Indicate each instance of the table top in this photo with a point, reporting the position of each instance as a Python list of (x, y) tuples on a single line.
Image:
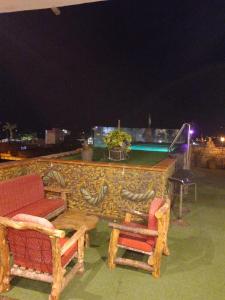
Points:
[(74, 219)]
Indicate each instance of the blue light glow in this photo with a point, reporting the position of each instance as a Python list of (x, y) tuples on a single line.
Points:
[(150, 148)]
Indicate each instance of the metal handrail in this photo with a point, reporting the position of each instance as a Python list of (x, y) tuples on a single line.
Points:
[(188, 156), (177, 136)]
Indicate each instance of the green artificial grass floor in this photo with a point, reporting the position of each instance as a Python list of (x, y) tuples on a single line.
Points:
[(195, 270), (134, 157)]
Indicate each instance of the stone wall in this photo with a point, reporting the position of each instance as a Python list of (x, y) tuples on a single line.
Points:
[(100, 188), (208, 157)]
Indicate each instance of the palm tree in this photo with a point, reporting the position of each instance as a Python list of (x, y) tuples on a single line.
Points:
[(10, 128)]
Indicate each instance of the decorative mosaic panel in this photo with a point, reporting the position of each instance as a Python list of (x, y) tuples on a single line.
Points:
[(101, 189)]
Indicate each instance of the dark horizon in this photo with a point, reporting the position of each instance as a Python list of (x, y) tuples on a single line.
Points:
[(97, 63)]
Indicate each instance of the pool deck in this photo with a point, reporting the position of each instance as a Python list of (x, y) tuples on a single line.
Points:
[(134, 157), (162, 165)]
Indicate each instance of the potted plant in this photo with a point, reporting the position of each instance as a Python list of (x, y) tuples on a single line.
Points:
[(118, 143), (86, 152)]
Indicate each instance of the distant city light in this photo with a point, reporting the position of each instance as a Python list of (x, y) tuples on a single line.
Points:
[(222, 139), (90, 141)]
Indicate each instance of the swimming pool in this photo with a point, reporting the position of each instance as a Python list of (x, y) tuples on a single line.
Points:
[(150, 147)]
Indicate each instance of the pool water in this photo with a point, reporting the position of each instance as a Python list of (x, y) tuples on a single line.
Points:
[(150, 147)]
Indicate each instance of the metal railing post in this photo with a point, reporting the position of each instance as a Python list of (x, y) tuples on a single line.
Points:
[(188, 153)]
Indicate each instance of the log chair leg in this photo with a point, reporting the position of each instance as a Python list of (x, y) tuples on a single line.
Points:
[(56, 289), (57, 270), (113, 248), (160, 243), (4, 262), (155, 261), (151, 260), (166, 250), (80, 257), (53, 297), (156, 265), (87, 240)]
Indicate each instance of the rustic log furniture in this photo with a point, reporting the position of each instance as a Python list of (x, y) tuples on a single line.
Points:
[(39, 252), (74, 219), (26, 194), (150, 240)]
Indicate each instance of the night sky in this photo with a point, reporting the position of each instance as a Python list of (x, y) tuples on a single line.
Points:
[(97, 63)]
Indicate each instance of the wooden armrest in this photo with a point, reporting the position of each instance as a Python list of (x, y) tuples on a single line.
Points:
[(135, 212), (7, 222), (139, 230), (56, 189), (159, 214), (74, 238)]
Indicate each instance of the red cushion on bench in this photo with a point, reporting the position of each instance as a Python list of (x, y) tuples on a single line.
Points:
[(40, 208), (20, 191)]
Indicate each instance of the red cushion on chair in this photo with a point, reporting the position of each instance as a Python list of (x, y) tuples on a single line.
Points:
[(32, 249), (152, 220), (134, 240), (66, 258), (139, 241), (155, 205), (135, 243)]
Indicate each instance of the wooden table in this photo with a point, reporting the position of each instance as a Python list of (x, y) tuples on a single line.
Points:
[(74, 219)]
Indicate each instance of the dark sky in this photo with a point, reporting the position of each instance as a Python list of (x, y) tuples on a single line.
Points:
[(101, 62)]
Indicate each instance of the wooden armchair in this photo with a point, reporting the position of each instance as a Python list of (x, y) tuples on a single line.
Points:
[(150, 239), (39, 252)]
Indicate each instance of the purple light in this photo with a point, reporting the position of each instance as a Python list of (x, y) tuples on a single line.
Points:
[(191, 131)]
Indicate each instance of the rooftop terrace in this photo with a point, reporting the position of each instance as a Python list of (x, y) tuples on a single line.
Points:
[(194, 270), (135, 157)]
